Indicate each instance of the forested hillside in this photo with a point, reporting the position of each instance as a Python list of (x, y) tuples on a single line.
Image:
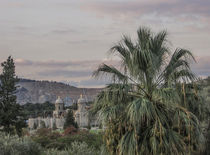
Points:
[(31, 91)]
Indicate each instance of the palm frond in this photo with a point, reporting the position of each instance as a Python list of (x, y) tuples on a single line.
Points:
[(111, 71), (149, 108)]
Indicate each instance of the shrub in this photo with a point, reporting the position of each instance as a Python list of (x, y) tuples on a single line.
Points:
[(45, 136), (42, 124), (54, 140), (81, 149), (25, 132), (76, 148), (70, 131), (92, 140), (54, 152), (43, 132), (43, 141), (56, 145), (13, 145), (54, 135)]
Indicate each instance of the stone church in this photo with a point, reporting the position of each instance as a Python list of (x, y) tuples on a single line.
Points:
[(82, 116)]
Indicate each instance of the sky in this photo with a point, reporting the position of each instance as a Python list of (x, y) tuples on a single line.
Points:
[(65, 40)]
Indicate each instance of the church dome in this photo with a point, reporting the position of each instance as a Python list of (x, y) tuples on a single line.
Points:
[(59, 100), (81, 99)]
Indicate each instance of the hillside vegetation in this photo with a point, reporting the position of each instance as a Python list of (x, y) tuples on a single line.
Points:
[(32, 91)]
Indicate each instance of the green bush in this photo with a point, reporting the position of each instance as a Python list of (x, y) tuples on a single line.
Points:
[(46, 137), (43, 141), (42, 124), (76, 148), (54, 152), (54, 140), (82, 149), (56, 145), (43, 132), (13, 145), (83, 143), (91, 139)]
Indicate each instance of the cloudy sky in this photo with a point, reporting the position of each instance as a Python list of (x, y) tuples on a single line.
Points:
[(65, 40)]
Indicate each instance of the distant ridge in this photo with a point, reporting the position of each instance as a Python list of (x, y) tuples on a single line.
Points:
[(33, 91)]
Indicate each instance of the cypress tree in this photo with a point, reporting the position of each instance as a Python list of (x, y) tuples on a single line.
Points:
[(54, 126), (35, 126), (70, 120), (11, 115), (42, 124)]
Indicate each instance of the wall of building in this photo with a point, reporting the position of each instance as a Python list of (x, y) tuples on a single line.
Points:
[(59, 122)]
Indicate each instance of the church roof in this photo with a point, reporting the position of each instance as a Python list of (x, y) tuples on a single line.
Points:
[(59, 100), (81, 99)]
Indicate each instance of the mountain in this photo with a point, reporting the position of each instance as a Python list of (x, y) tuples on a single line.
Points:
[(32, 91)]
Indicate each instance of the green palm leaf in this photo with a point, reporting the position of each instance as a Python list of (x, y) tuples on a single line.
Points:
[(147, 108)]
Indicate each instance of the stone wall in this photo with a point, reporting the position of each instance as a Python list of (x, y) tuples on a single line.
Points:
[(59, 122)]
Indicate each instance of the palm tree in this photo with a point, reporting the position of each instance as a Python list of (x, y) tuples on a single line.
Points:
[(142, 109)]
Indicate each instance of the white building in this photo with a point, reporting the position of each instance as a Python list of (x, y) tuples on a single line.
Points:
[(59, 111), (82, 116), (57, 120)]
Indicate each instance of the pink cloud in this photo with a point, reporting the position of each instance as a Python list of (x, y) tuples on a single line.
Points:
[(57, 64), (140, 8), (81, 72), (202, 67)]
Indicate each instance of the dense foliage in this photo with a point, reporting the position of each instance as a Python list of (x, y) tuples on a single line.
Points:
[(76, 148), (50, 139), (70, 120), (38, 109), (42, 109), (147, 108), (11, 116), (13, 145), (205, 91)]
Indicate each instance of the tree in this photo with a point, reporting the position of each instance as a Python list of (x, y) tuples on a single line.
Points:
[(75, 106), (11, 114), (54, 126), (70, 120), (37, 109), (42, 124), (35, 126), (142, 109)]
